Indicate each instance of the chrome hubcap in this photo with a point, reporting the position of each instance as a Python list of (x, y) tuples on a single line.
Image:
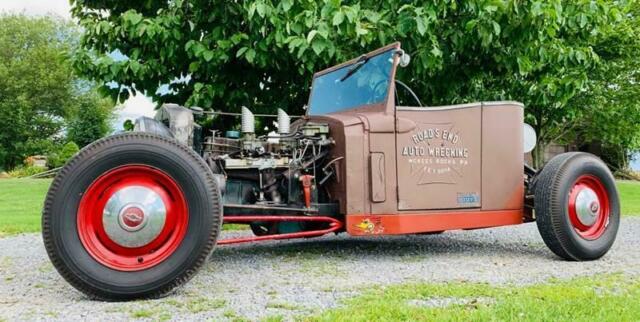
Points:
[(587, 206), (134, 216)]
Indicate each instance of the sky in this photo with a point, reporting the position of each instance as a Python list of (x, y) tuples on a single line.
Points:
[(132, 108), (635, 163)]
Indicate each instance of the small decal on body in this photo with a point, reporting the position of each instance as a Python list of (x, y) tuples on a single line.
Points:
[(469, 198), (370, 226)]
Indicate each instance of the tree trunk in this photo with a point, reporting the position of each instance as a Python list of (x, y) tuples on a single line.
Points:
[(538, 155)]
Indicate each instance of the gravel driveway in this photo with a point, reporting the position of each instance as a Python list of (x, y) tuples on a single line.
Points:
[(292, 278)]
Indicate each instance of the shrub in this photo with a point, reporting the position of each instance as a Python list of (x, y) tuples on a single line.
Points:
[(59, 158), (25, 171)]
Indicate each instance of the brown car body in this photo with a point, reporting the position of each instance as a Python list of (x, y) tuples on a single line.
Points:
[(420, 169)]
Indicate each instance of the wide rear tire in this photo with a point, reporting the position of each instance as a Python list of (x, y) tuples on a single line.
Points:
[(133, 215), (577, 207)]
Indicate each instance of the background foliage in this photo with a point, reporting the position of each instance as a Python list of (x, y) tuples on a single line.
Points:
[(59, 157), (262, 53), (610, 102), (39, 91), (91, 118)]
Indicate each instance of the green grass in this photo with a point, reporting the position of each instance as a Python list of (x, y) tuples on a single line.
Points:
[(629, 197), (151, 313), (201, 304), (21, 204), (606, 298), (282, 306)]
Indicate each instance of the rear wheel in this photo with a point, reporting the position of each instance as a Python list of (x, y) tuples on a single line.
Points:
[(576, 206), (132, 215)]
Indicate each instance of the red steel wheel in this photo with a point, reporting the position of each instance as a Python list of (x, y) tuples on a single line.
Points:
[(132, 218), (589, 207), (577, 208), (134, 215)]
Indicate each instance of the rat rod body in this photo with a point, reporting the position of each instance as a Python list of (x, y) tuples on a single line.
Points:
[(135, 214)]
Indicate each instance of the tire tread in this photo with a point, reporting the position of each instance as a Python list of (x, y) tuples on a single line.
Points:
[(546, 190), (550, 206), (87, 152)]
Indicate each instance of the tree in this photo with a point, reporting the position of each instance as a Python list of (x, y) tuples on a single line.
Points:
[(91, 120), (262, 53), (610, 104), (39, 91), (35, 84)]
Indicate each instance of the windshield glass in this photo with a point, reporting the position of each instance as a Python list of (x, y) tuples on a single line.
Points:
[(368, 84)]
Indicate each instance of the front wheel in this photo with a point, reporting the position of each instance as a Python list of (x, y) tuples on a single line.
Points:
[(577, 207), (131, 216)]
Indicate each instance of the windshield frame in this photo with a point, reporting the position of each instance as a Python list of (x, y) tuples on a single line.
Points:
[(389, 95)]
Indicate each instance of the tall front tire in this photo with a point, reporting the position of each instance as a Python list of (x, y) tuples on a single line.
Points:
[(577, 207), (130, 216)]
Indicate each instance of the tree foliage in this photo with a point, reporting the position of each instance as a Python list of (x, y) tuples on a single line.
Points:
[(610, 101), (91, 119), (36, 84), (59, 157), (262, 53), (39, 91)]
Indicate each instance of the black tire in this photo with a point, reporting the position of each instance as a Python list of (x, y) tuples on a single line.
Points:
[(60, 228), (553, 186)]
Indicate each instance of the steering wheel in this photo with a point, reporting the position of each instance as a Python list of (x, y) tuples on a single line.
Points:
[(403, 85)]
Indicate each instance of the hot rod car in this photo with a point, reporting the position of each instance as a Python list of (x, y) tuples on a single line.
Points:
[(136, 214)]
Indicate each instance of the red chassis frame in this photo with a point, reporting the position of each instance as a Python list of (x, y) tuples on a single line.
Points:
[(386, 224), (334, 226)]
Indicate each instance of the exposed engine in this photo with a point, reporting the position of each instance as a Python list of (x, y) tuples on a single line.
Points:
[(275, 172)]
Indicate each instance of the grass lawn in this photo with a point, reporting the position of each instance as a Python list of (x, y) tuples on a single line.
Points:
[(21, 203), (604, 298), (630, 197), (21, 206)]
